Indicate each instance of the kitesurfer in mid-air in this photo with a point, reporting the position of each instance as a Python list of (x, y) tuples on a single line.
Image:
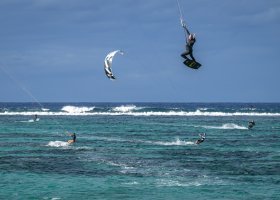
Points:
[(201, 139), (190, 40), (73, 135)]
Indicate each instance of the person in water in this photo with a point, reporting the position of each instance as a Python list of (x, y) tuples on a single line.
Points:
[(190, 40), (201, 139), (73, 135), (251, 124), (35, 117)]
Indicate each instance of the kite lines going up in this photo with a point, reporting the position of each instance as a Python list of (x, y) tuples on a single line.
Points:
[(181, 15), (190, 40), (108, 63), (24, 89)]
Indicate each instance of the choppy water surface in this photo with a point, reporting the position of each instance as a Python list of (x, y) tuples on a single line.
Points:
[(139, 151)]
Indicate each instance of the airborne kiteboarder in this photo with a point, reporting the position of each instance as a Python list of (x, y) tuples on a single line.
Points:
[(190, 40)]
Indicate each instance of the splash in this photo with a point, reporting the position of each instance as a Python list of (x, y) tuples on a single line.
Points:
[(58, 144), (34, 120), (178, 142), (31, 120), (124, 109), (227, 126), (74, 109)]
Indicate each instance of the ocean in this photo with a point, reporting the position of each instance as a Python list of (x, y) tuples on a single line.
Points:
[(139, 151)]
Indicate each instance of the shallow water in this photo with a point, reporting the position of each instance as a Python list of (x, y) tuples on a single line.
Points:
[(139, 151)]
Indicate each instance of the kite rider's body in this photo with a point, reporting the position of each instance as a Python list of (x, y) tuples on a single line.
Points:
[(190, 40)]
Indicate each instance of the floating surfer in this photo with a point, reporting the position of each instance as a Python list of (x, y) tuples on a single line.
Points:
[(35, 118), (73, 135), (201, 139), (251, 124)]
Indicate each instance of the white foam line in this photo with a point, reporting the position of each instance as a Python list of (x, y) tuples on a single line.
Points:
[(170, 113), (226, 126), (177, 142)]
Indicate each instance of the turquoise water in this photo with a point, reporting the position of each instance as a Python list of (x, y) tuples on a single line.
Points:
[(139, 151)]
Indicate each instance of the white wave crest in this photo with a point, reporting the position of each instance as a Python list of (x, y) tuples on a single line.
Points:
[(203, 109), (227, 126), (74, 109), (124, 109), (58, 144), (83, 111), (248, 109), (45, 109)]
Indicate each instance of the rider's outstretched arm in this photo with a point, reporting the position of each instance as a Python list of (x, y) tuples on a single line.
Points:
[(185, 27)]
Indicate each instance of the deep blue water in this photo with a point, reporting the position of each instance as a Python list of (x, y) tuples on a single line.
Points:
[(139, 151)]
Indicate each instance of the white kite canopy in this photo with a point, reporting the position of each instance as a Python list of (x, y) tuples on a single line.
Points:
[(108, 63)]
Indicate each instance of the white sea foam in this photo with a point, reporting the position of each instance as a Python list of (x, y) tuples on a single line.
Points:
[(131, 183), (227, 126), (82, 148), (248, 109), (84, 111), (203, 109), (124, 168), (31, 120), (45, 109), (124, 109), (172, 183), (74, 109), (178, 142), (198, 181), (58, 144)]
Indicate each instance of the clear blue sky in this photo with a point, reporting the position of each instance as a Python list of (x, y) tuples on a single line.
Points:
[(56, 48)]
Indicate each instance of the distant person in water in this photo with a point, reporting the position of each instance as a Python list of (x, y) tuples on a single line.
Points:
[(251, 124), (35, 117), (201, 139), (73, 135)]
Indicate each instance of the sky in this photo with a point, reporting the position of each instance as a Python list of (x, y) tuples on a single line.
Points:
[(53, 51)]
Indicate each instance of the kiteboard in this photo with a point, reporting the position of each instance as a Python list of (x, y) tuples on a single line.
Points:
[(192, 64)]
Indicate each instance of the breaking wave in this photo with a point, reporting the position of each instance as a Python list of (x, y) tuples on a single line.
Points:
[(129, 110), (124, 109), (74, 109)]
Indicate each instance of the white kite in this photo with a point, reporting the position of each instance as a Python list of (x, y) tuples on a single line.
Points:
[(108, 63)]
